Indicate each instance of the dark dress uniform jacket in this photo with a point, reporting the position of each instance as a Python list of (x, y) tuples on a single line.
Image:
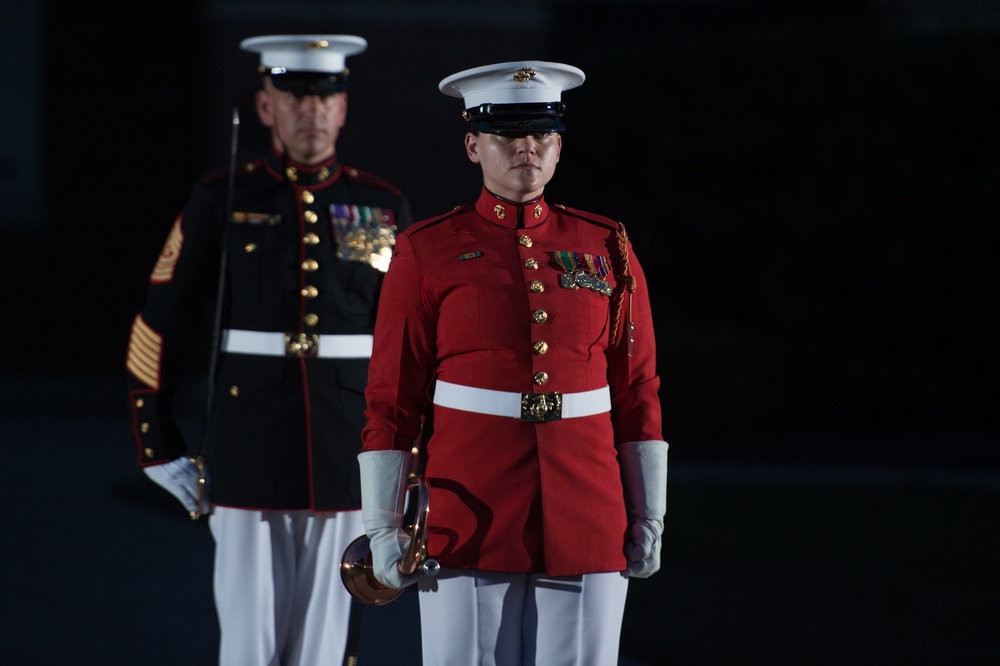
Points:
[(285, 429)]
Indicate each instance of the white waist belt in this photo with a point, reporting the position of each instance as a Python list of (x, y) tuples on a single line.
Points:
[(264, 343), (539, 407)]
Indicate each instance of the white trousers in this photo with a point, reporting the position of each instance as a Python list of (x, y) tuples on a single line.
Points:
[(487, 618), (278, 591)]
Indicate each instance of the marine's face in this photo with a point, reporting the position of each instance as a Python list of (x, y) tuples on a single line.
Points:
[(303, 128), (516, 167)]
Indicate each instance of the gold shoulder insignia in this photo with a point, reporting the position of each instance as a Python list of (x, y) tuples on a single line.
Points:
[(171, 252)]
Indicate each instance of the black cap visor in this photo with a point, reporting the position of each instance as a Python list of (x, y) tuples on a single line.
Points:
[(302, 84), (517, 118)]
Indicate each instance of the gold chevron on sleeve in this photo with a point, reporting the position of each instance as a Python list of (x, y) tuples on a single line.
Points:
[(164, 269), (145, 348)]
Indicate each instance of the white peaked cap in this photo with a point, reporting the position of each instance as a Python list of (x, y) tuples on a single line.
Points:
[(519, 82), (305, 53)]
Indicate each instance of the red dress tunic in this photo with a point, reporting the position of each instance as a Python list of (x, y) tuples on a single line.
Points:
[(468, 299)]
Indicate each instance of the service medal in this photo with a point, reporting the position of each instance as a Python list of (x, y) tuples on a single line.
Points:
[(365, 234)]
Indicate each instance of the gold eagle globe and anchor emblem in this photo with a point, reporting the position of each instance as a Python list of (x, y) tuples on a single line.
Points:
[(524, 74)]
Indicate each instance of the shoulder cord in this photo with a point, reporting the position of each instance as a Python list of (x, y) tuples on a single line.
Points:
[(626, 283)]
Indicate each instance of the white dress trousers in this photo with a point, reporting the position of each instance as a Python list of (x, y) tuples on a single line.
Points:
[(487, 618), (278, 591)]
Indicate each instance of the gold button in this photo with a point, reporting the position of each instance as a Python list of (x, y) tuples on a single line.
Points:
[(250, 247), (540, 316), (310, 216), (234, 391), (323, 174), (147, 452), (310, 291), (540, 347), (140, 403), (144, 427), (291, 174), (536, 286), (310, 239), (500, 212), (525, 241), (530, 263), (307, 197), (311, 319), (310, 265), (541, 378)]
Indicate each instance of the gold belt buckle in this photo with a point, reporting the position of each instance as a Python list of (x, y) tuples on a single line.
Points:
[(541, 407), (303, 345)]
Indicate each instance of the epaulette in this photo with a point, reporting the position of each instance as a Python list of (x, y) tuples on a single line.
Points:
[(370, 179), (216, 175), (432, 221), (588, 217)]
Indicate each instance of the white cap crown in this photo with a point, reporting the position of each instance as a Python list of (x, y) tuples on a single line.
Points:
[(304, 53), (514, 97), (518, 82)]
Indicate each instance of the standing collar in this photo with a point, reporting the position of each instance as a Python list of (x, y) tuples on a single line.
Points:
[(508, 214), (312, 176)]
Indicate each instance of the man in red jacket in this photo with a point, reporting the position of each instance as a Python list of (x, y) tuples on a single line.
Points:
[(525, 327)]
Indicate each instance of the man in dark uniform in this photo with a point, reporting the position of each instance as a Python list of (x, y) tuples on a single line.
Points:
[(526, 328), (304, 242)]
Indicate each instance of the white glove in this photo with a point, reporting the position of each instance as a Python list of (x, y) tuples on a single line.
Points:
[(644, 479), (383, 494), (182, 478)]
